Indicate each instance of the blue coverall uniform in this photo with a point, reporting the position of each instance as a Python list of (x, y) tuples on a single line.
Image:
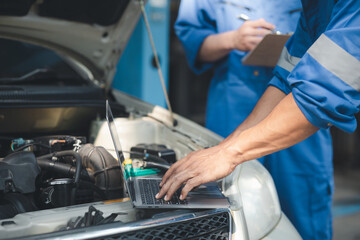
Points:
[(302, 173), (235, 88), (320, 65)]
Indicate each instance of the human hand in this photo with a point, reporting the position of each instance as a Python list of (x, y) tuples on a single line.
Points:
[(195, 169), (250, 34)]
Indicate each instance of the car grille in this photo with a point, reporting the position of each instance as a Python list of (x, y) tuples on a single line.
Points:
[(208, 227), (209, 224)]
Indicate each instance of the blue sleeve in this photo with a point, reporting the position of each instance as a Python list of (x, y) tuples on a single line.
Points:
[(294, 49), (326, 81), (196, 21), (280, 84)]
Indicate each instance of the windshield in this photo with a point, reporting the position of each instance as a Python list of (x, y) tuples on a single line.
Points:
[(24, 63)]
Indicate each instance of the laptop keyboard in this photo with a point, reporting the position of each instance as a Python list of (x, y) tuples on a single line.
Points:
[(150, 187)]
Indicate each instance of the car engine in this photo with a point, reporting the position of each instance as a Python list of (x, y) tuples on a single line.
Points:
[(56, 171)]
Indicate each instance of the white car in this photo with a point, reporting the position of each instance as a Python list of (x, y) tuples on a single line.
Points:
[(57, 63)]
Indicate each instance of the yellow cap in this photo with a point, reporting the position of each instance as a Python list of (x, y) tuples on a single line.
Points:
[(127, 161)]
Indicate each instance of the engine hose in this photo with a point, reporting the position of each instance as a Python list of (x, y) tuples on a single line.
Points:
[(106, 170), (77, 171), (64, 169), (149, 164), (62, 154), (149, 157)]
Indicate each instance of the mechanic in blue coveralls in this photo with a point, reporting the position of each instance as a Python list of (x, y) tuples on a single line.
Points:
[(215, 35), (316, 85)]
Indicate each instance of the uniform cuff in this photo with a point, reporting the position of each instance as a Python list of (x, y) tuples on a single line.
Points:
[(280, 84)]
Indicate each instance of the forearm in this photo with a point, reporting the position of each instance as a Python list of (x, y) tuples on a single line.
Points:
[(215, 47), (283, 127), (271, 97)]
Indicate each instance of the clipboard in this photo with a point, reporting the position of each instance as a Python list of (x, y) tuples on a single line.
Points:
[(267, 52)]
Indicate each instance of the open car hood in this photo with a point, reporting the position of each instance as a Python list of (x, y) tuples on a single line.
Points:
[(92, 34)]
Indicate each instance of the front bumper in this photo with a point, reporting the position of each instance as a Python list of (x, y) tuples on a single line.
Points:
[(283, 230)]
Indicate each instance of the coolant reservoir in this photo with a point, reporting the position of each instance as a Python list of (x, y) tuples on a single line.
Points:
[(130, 131)]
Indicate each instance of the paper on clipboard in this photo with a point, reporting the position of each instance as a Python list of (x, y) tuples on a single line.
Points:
[(267, 52)]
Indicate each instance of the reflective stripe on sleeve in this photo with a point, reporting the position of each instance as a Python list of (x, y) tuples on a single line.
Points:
[(336, 60), (286, 61)]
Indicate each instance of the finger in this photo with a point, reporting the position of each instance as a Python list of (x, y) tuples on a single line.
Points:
[(176, 166), (259, 32), (167, 174), (173, 188), (190, 184), (252, 42), (255, 40), (165, 185), (261, 23), (179, 165), (173, 183)]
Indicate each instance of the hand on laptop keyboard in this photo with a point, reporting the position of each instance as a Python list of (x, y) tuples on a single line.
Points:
[(148, 190)]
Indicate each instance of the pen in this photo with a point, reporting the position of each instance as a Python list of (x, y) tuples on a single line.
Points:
[(245, 17)]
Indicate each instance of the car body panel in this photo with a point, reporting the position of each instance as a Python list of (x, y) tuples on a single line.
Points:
[(97, 59)]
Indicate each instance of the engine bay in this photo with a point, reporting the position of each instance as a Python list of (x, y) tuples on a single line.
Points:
[(58, 171), (40, 176), (56, 177)]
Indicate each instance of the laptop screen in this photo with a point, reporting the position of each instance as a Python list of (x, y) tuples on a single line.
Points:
[(116, 141), (113, 133)]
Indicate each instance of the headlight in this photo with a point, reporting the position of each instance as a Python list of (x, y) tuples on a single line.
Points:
[(253, 199)]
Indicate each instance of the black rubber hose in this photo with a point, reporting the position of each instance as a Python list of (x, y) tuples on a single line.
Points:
[(64, 169), (77, 171), (148, 156), (62, 154), (150, 164)]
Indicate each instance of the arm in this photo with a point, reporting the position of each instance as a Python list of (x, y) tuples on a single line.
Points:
[(271, 97), (245, 38), (324, 91), (283, 127), (196, 27)]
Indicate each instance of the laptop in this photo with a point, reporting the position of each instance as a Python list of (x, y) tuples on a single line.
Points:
[(142, 189)]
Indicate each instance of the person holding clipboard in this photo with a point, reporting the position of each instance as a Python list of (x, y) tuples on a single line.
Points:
[(214, 36)]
